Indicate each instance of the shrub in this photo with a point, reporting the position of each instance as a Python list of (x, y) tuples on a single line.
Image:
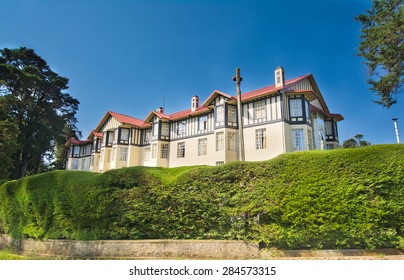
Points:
[(346, 198)]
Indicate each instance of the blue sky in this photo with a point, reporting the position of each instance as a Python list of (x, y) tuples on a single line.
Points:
[(128, 56)]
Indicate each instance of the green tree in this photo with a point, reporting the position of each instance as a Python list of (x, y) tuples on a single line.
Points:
[(37, 104), (8, 137), (356, 141), (383, 49)]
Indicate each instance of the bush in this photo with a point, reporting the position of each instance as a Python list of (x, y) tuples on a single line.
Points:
[(347, 198)]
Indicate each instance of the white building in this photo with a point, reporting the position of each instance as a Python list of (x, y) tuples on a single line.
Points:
[(288, 116)]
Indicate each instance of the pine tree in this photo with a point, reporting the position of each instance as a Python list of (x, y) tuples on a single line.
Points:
[(36, 102), (383, 49)]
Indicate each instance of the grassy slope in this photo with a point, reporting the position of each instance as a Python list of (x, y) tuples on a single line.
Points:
[(348, 198)]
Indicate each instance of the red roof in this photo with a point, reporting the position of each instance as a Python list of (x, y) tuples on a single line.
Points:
[(270, 89), (186, 113), (124, 119), (75, 141)]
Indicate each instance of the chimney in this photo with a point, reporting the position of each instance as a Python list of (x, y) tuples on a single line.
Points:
[(195, 103), (279, 77), (160, 110)]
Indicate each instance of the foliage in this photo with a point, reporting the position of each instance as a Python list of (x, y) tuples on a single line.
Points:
[(346, 198), (10, 254), (382, 47), (33, 98), (355, 142)]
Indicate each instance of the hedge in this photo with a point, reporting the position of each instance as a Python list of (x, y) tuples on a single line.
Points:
[(346, 198)]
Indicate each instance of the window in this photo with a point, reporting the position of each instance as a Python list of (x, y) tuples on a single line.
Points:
[(231, 141), (219, 163), (295, 107), (108, 155), (124, 135), (148, 136), (164, 150), (123, 153), (147, 154), (308, 111), (165, 129), (260, 139), (219, 141), (298, 139), (329, 146), (232, 114), (154, 151), (220, 113), (328, 127), (156, 129), (181, 150), (203, 123), (76, 151), (259, 110), (181, 128), (75, 164), (83, 164), (202, 146), (84, 150), (110, 138)]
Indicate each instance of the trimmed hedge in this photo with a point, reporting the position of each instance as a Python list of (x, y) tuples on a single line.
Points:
[(347, 198)]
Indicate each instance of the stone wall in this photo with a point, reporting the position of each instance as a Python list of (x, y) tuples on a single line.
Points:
[(177, 249), (136, 249)]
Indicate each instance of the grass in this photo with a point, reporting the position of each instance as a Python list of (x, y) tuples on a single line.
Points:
[(10, 254)]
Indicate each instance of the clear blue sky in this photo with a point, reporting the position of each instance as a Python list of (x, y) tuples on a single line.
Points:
[(127, 56)]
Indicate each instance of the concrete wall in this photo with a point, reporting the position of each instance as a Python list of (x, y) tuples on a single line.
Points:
[(137, 249), (179, 249)]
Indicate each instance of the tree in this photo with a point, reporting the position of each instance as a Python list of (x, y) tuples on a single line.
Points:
[(8, 135), (36, 102), (383, 49), (356, 141)]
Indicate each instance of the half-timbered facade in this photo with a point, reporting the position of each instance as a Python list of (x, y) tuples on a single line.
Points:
[(290, 115)]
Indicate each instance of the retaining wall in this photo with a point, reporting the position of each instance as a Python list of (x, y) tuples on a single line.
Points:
[(135, 249), (175, 249)]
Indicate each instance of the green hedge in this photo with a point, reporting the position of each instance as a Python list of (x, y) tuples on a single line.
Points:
[(347, 198)]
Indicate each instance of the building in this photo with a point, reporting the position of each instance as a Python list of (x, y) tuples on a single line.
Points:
[(290, 115)]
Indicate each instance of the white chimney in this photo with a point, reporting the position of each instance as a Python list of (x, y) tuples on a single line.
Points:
[(160, 110), (279, 77), (195, 103)]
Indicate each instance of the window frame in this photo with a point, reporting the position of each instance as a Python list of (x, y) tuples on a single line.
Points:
[(219, 141), (260, 139), (294, 109), (181, 150), (298, 139), (202, 147), (259, 109)]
